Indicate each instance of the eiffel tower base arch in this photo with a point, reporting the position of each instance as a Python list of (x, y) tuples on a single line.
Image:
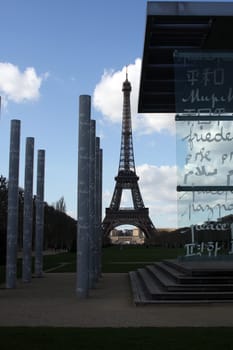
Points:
[(135, 217)]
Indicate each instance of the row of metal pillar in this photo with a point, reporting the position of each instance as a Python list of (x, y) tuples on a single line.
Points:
[(12, 218), (89, 232), (89, 235)]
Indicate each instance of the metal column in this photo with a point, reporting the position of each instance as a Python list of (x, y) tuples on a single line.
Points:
[(12, 219), (100, 236), (92, 174), (97, 210), (82, 280), (28, 210), (39, 214)]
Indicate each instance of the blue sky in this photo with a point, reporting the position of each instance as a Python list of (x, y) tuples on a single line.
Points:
[(52, 51)]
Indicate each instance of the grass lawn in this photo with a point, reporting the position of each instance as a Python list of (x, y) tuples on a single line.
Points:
[(128, 258), (114, 259), (49, 261), (120, 258), (22, 338)]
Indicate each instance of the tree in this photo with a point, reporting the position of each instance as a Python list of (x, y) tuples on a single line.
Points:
[(60, 229), (61, 205)]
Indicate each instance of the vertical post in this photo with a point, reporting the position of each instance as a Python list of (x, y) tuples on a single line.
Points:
[(92, 243), (100, 211), (12, 218), (192, 233), (28, 210), (82, 281), (97, 203), (39, 231)]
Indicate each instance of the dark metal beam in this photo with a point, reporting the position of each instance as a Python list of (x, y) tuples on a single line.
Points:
[(178, 25)]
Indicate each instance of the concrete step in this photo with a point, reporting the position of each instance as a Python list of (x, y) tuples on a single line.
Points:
[(158, 283), (184, 277), (148, 283), (170, 271), (138, 292), (211, 268), (157, 292), (169, 283)]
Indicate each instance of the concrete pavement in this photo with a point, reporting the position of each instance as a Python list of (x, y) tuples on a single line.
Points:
[(51, 301)]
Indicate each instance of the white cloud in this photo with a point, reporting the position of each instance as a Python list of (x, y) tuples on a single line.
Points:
[(158, 190), (157, 183), (19, 86), (108, 99), (164, 214)]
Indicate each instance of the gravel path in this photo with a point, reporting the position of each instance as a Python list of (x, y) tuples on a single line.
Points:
[(51, 301)]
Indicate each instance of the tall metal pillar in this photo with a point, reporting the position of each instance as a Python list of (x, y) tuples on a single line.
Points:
[(82, 281), (97, 203), (12, 218), (100, 236), (28, 210), (39, 231), (92, 236)]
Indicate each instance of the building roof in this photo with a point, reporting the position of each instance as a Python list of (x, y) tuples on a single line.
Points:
[(178, 25)]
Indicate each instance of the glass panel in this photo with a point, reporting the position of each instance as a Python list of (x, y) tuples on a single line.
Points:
[(199, 207), (203, 82), (204, 101), (205, 153)]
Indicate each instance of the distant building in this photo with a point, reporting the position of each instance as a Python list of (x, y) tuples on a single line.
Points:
[(128, 236)]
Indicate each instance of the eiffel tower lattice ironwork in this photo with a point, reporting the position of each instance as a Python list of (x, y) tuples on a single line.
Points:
[(127, 179)]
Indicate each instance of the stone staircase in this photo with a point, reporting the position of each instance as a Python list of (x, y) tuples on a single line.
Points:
[(177, 281)]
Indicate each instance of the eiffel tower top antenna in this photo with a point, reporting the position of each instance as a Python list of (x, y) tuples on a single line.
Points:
[(126, 154)]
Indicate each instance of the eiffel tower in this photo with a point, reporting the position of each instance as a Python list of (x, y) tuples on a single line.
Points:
[(127, 179)]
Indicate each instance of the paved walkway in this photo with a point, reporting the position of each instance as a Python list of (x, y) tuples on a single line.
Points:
[(51, 301)]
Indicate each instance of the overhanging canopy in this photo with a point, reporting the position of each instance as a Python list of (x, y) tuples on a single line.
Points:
[(178, 26)]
